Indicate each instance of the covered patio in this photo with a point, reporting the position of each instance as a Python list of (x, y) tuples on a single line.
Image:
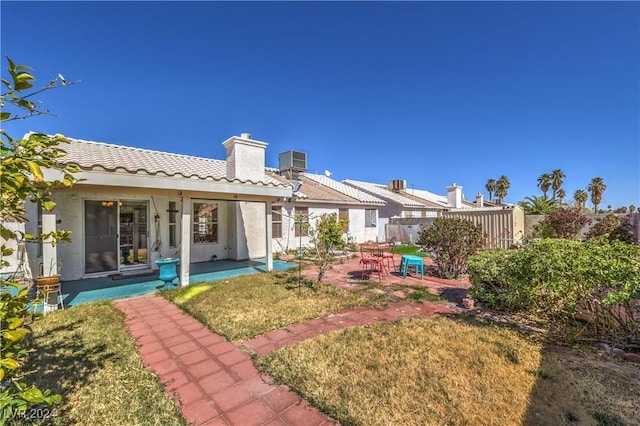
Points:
[(147, 281)]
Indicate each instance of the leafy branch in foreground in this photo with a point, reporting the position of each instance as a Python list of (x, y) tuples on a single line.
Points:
[(22, 179)]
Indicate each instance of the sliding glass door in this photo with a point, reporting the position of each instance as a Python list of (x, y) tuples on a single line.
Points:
[(116, 234), (133, 234), (100, 236)]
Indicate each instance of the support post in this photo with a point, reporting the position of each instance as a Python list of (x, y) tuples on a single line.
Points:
[(185, 241), (269, 238)]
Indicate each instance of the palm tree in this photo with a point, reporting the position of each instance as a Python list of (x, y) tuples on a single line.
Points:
[(544, 183), (561, 194), (538, 205), (502, 186), (491, 187), (596, 188), (580, 196), (557, 177)]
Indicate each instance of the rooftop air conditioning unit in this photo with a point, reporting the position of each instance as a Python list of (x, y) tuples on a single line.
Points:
[(293, 160), (397, 185)]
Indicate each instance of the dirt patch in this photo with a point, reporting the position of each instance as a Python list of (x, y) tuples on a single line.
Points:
[(584, 387)]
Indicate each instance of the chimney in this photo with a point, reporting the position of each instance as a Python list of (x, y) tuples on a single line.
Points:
[(479, 200), (454, 196), (245, 157)]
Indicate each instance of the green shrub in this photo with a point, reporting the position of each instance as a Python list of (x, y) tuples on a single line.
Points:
[(452, 241), (612, 227), (564, 280)]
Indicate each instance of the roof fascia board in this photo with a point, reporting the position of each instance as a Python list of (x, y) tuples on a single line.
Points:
[(335, 202), (157, 182)]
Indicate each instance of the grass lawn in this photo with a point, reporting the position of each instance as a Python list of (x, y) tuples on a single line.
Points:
[(411, 250), (245, 307), (440, 370), (86, 355), (457, 370)]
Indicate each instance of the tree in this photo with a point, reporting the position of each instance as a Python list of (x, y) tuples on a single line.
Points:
[(561, 194), (557, 177), (596, 188), (544, 183), (632, 209), (491, 187), (538, 205), (502, 187), (325, 236), (22, 162), (580, 197)]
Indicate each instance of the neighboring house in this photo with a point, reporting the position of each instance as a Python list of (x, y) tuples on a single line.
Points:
[(412, 208), (133, 206), (399, 202), (314, 196)]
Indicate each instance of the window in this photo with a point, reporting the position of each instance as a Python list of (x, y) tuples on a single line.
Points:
[(276, 222), (172, 224), (370, 218), (343, 219), (302, 221), (205, 223)]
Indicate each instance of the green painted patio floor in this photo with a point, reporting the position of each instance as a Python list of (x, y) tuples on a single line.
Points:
[(93, 289)]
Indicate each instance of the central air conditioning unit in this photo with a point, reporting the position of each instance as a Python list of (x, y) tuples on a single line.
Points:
[(292, 162), (397, 185)]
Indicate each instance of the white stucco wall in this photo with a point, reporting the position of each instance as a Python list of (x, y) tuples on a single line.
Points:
[(250, 242), (69, 214), (13, 259), (205, 251), (357, 230)]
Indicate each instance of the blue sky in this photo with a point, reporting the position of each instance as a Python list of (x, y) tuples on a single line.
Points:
[(430, 92)]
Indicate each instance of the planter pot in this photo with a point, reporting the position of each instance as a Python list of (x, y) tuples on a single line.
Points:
[(168, 269), (47, 281)]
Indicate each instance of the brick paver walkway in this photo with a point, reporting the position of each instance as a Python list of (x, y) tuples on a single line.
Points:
[(268, 343), (212, 380)]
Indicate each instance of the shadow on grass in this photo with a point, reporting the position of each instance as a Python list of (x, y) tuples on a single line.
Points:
[(453, 295), (66, 363), (573, 385)]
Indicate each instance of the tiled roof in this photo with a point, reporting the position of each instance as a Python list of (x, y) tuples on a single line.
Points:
[(344, 189), (382, 192), (439, 200), (89, 155)]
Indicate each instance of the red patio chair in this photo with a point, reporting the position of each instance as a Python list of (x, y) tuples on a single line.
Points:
[(390, 254), (370, 262)]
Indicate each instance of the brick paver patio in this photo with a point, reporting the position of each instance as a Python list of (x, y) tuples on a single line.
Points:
[(215, 383), (212, 380)]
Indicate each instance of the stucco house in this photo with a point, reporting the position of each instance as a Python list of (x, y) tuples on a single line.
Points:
[(133, 206), (413, 208), (315, 195)]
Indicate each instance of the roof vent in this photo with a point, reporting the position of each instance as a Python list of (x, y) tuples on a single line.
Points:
[(245, 135), (397, 185)]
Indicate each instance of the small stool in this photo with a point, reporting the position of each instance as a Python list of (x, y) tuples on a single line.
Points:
[(51, 296), (408, 260)]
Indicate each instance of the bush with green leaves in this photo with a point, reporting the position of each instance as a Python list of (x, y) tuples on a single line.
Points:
[(564, 280), (22, 180), (452, 241)]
